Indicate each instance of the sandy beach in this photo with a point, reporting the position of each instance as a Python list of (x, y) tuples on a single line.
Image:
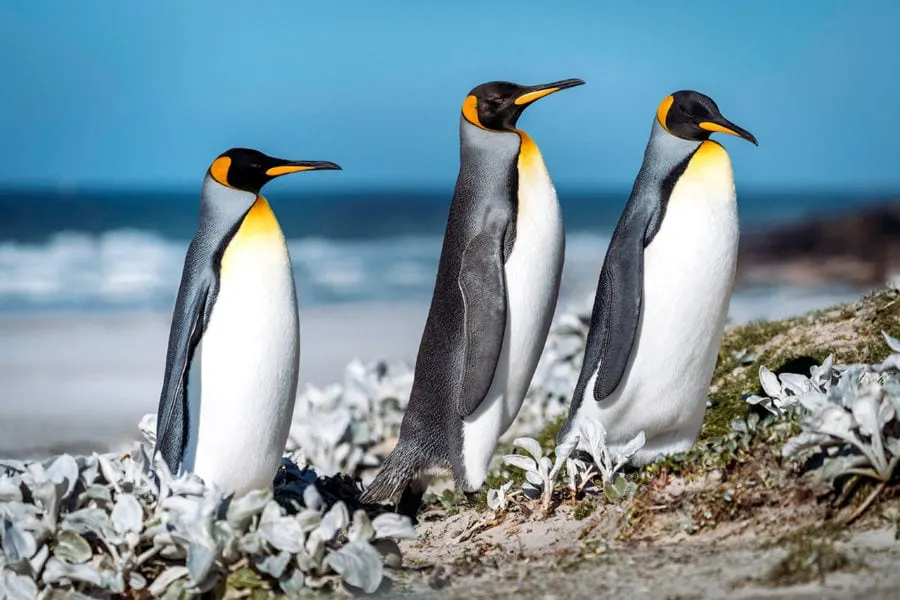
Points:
[(80, 382)]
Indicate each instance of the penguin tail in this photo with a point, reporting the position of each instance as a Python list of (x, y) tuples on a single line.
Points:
[(397, 473)]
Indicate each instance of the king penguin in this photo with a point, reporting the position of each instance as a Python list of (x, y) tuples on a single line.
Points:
[(664, 289), (494, 297), (234, 346)]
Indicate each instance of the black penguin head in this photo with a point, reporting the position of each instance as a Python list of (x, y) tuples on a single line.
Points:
[(249, 170), (497, 105), (691, 115)]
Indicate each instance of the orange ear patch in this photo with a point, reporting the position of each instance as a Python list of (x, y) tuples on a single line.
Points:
[(470, 111), (219, 169), (663, 111)]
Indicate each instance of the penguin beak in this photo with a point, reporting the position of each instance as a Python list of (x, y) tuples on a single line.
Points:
[(536, 92), (295, 166), (723, 125)]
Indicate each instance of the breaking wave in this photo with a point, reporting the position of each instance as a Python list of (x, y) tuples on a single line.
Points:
[(135, 269)]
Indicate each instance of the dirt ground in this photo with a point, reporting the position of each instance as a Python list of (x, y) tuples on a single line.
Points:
[(562, 557), (732, 520)]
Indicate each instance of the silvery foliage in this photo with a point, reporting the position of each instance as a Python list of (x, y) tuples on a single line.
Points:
[(335, 428), (101, 523), (783, 392), (541, 471), (343, 427), (607, 462), (846, 412), (498, 499)]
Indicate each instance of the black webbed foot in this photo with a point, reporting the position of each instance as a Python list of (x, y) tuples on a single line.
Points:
[(410, 503)]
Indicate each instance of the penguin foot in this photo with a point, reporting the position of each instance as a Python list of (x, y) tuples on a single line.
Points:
[(410, 503), (583, 456), (629, 469)]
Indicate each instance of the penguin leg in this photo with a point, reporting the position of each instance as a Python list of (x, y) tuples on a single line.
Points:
[(583, 456), (411, 500), (629, 469)]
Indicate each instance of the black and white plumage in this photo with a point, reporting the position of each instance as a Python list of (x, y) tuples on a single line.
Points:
[(494, 298), (664, 288), (233, 354)]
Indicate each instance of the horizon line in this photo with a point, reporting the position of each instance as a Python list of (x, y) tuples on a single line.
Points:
[(582, 189)]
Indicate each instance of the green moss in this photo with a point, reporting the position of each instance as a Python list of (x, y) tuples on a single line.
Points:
[(827, 531), (808, 559), (585, 508), (747, 347), (546, 437), (501, 474), (713, 453), (739, 360), (243, 583), (884, 316), (450, 500)]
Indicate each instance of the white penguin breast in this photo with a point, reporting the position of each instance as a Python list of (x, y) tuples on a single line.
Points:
[(688, 278), (247, 362), (533, 272)]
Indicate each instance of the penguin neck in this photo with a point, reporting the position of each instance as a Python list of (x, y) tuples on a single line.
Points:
[(220, 204), (664, 156), (666, 151), (476, 140), (472, 136), (696, 159), (488, 162), (510, 150)]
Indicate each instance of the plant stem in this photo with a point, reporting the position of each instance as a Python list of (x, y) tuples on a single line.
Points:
[(870, 473), (147, 555), (868, 501), (586, 478), (852, 439)]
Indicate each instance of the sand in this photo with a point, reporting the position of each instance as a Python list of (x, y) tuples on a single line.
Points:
[(79, 383)]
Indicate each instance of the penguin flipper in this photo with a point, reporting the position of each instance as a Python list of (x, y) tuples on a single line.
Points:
[(171, 419), (617, 308), (482, 282)]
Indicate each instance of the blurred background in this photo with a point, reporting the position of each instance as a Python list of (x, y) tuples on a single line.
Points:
[(111, 113)]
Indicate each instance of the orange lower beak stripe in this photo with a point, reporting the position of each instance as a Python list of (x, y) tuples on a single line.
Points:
[(532, 96), (285, 169), (716, 127)]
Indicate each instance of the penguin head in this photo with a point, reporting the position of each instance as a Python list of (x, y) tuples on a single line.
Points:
[(249, 170), (693, 116), (497, 105)]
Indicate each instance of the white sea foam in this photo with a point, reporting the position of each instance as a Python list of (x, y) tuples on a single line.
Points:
[(118, 267), (140, 269), (134, 269)]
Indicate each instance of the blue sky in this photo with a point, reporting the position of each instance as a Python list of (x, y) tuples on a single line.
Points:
[(126, 93)]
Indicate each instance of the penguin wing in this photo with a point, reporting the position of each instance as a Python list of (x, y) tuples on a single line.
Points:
[(617, 308), (482, 282), (188, 325)]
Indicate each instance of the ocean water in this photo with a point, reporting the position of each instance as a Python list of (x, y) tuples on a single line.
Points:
[(124, 250)]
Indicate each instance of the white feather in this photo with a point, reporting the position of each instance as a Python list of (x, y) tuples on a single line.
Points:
[(243, 378), (688, 279)]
